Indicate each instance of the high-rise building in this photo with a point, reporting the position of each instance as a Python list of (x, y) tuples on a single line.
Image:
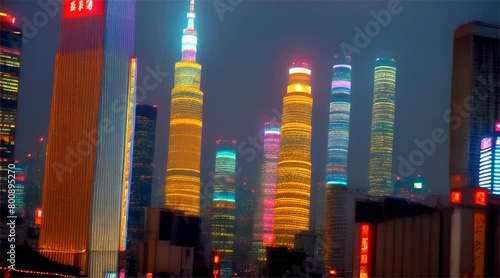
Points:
[(382, 133), (224, 205), (182, 189), (475, 98), (338, 127), (266, 193), (10, 69), (245, 210), (335, 231), (293, 189), (90, 139), (142, 173)]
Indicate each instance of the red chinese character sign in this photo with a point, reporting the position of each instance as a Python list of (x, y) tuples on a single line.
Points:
[(80, 8), (365, 252)]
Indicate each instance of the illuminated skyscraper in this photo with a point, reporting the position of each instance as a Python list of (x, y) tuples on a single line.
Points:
[(10, 68), (264, 217), (382, 133), (338, 127), (475, 83), (90, 139), (224, 205), (182, 189), (293, 189), (489, 169), (336, 215), (142, 172)]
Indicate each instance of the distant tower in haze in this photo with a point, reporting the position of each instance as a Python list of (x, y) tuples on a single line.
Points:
[(10, 69), (142, 170), (182, 188), (90, 141), (224, 205), (382, 133), (474, 83), (293, 189), (337, 224), (266, 192)]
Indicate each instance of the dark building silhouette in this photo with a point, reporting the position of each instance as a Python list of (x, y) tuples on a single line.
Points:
[(142, 176)]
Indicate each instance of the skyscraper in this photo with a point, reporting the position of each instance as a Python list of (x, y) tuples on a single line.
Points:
[(244, 225), (10, 69), (336, 214), (182, 189), (142, 171), (382, 133), (266, 192), (338, 127), (293, 189), (224, 205), (475, 98), (90, 141)]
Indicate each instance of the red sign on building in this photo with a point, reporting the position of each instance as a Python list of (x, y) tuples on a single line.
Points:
[(80, 8), (365, 252)]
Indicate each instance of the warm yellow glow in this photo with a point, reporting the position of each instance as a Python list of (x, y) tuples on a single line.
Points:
[(127, 159), (291, 213), (182, 187), (298, 88)]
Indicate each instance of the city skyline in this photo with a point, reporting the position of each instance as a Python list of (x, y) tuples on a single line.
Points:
[(388, 139), (159, 53)]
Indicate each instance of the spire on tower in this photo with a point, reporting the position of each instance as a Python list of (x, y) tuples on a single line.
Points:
[(189, 39)]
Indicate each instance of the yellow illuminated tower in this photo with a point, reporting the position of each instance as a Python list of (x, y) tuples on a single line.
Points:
[(182, 188), (291, 213), (382, 136)]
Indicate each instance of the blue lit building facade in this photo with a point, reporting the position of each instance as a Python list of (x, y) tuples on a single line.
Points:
[(338, 127), (224, 205)]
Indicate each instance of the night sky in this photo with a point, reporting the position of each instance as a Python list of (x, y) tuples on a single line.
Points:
[(245, 59)]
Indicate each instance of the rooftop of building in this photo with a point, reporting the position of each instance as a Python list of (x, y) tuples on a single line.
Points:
[(478, 28)]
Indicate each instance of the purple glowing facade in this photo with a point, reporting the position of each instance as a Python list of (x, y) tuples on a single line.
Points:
[(268, 179)]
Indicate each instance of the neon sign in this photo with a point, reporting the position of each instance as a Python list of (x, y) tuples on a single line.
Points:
[(486, 143), (80, 8), (364, 256)]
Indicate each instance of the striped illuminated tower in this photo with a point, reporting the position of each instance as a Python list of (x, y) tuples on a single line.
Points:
[(336, 169), (382, 133), (264, 219), (293, 189), (224, 204), (338, 127), (182, 189), (90, 139)]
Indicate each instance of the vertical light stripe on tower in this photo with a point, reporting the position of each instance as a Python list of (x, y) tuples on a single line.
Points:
[(382, 132), (291, 210)]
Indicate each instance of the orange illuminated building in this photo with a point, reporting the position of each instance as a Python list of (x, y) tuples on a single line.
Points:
[(85, 192), (291, 210), (182, 187)]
